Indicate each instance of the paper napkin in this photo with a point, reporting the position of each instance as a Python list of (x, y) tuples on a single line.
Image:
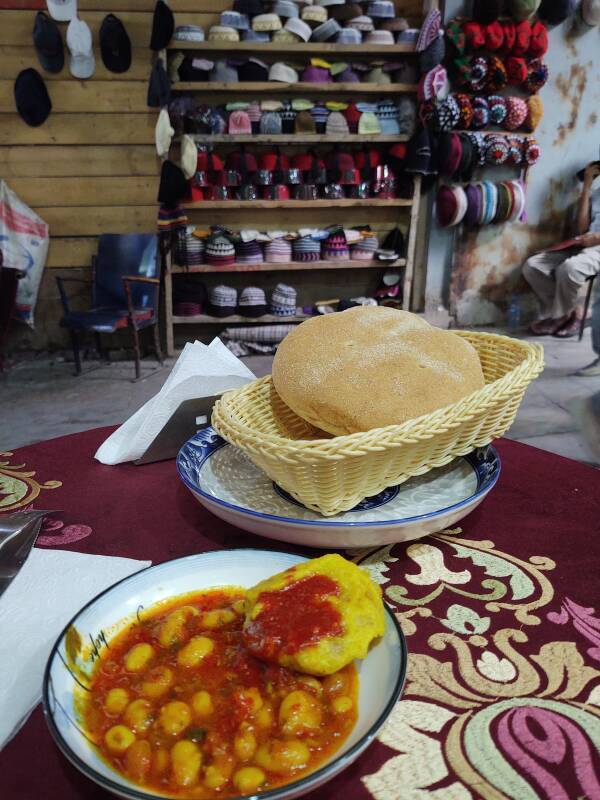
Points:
[(200, 371), (50, 588)]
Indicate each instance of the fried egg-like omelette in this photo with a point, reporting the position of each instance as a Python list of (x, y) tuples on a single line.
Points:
[(315, 617)]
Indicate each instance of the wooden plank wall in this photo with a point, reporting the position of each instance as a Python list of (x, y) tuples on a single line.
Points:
[(92, 167)]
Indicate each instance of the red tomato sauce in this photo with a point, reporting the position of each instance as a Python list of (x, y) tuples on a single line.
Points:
[(295, 616), (192, 713)]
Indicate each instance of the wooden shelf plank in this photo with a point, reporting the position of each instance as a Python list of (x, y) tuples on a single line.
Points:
[(206, 319), (245, 87), (313, 48), (298, 266), (211, 205), (292, 139)]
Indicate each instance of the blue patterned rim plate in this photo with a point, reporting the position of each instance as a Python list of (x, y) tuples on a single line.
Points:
[(226, 482), (382, 672)]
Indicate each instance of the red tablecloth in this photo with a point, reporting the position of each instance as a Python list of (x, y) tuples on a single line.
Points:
[(503, 690)]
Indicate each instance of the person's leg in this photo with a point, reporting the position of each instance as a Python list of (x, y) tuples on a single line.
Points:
[(593, 370), (538, 271), (570, 276)]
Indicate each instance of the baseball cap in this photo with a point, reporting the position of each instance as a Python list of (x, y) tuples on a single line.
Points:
[(48, 43), (79, 41), (62, 10), (115, 44), (31, 97)]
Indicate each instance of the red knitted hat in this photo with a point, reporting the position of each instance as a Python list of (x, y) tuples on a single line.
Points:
[(516, 69), (474, 35), (352, 115), (494, 36), (538, 45), (510, 35), (522, 38), (269, 161)]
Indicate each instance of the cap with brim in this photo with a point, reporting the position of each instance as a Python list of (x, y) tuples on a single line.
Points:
[(163, 25), (266, 22), (62, 10), (79, 41), (299, 28), (115, 45), (314, 14), (48, 43), (327, 30), (283, 73), (31, 97)]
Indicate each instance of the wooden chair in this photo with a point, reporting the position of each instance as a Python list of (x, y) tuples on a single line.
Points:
[(125, 286), (586, 305)]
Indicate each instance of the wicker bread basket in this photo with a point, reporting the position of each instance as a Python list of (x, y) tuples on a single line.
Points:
[(331, 474)]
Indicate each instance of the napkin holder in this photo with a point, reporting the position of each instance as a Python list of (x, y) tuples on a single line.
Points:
[(18, 533), (190, 417)]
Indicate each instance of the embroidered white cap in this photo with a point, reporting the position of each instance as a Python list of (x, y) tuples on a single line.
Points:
[(62, 10), (79, 41)]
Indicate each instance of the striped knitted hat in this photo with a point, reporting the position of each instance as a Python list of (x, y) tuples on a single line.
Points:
[(253, 302), (278, 251), (248, 252), (283, 300), (336, 247), (364, 250), (222, 301), (306, 248)]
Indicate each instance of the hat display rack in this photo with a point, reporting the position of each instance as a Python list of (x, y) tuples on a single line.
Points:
[(253, 71), (487, 97)]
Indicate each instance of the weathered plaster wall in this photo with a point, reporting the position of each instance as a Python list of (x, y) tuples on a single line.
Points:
[(473, 272)]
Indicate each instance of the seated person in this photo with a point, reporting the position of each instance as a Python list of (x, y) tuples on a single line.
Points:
[(556, 277)]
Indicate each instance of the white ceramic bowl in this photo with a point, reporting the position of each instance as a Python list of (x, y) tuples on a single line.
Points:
[(382, 673), (224, 480)]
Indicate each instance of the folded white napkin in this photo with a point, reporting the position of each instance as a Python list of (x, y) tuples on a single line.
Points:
[(50, 588), (200, 371)]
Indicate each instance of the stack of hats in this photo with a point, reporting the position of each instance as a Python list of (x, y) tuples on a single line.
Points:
[(365, 249), (189, 296), (296, 115), (222, 301), (278, 251), (283, 301), (462, 111), (248, 252), (303, 20), (458, 154), (306, 248), (482, 203), (253, 302), (220, 252), (335, 247), (194, 250)]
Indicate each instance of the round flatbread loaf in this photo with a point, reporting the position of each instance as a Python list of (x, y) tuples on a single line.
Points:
[(372, 366)]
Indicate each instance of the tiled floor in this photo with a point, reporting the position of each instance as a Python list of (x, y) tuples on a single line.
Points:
[(40, 399)]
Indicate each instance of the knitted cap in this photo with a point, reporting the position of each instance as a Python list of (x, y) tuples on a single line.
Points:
[(517, 110), (283, 300), (534, 113), (266, 22), (222, 33), (537, 75), (381, 8)]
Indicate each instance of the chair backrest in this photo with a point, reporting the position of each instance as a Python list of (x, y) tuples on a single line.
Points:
[(120, 255)]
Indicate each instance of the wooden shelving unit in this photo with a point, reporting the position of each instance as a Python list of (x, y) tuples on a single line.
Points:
[(236, 214), (271, 87), (293, 139), (288, 265), (301, 48)]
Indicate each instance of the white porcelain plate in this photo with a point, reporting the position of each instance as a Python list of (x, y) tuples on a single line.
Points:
[(381, 673), (226, 482)]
